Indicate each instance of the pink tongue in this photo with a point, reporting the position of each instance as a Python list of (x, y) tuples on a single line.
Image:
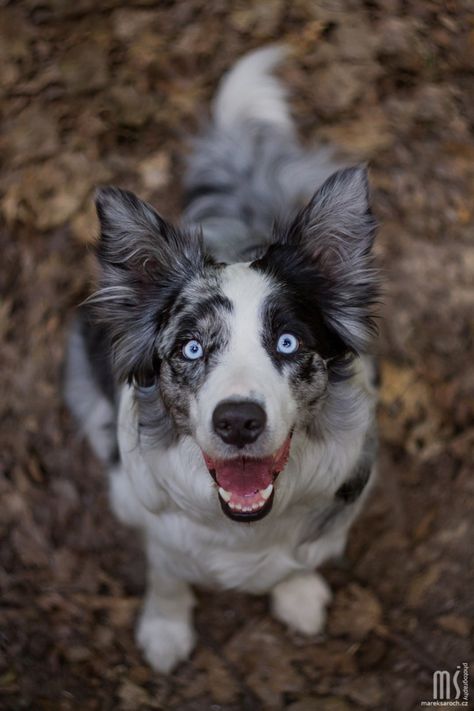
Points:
[(244, 476)]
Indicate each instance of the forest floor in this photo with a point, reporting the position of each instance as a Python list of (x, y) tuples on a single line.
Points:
[(107, 92)]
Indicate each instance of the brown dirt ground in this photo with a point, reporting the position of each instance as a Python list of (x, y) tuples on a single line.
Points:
[(107, 91)]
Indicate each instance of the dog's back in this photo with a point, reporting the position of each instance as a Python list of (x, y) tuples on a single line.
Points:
[(248, 169)]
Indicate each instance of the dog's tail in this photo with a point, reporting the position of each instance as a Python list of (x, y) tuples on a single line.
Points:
[(248, 169), (251, 93)]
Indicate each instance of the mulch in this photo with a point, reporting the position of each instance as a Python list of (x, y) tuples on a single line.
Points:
[(97, 92)]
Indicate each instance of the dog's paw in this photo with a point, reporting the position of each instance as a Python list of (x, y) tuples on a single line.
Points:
[(300, 602), (164, 642)]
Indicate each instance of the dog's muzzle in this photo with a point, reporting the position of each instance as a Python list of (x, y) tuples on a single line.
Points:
[(246, 484)]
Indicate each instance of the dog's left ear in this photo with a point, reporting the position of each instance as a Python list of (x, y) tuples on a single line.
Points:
[(337, 225), (334, 233)]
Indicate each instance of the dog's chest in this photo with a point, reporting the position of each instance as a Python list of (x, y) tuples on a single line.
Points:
[(175, 503), (248, 558)]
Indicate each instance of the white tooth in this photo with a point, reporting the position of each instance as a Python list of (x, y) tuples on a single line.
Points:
[(246, 508), (265, 494), (238, 507), (225, 494)]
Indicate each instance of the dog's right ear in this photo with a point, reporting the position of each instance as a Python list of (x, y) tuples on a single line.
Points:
[(144, 262), (135, 239)]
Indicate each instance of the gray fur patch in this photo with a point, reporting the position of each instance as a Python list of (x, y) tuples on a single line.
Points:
[(341, 508), (240, 182), (97, 347), (200, 313), (145, 264), (87, 395)]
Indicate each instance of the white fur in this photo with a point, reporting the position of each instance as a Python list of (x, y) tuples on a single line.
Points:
[(245, 370), (165, 642), (249, 92), (170, 495), (300, 602), (166, 490), (164, 631)]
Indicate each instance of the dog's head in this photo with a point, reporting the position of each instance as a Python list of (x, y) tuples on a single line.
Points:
[(238, 356)]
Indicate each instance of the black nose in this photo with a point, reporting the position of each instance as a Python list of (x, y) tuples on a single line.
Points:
[(239, 423)]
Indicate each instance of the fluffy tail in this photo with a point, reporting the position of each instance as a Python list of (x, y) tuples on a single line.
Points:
[(248, 168), (250, 92)]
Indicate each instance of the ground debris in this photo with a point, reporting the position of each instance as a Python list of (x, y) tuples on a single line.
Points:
[(96, 93)]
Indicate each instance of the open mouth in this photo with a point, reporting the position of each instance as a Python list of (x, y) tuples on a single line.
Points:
[(246, 484)]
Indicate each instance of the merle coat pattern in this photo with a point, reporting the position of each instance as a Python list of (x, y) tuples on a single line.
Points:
[(240, 434)]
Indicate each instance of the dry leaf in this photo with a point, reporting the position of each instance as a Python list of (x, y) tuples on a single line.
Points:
[(355, 612)]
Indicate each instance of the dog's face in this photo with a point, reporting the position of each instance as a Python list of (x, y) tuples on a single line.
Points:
[(239, 368), (237, 356)]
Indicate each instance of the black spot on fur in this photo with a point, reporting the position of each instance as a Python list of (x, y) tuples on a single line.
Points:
[(348, 493), (322, 259), (295, 307), (114, 459), (204, 190), (98, 349), (308, 370), (351, 489), (201, 315), (377, 375), (211, 304)]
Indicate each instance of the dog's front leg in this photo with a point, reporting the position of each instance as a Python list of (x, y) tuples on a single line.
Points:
[(165, 631), (300, 602)]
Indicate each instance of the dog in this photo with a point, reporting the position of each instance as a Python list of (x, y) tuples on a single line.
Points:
[(223, 370)]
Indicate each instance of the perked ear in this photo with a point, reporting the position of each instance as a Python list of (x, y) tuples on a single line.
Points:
[(136, 239), (144, 262), (336, 231)]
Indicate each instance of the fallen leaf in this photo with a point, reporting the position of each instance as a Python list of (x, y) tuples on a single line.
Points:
[(421, 584), (30, 135), (319, 703), (363, 137), (84, 67), (133, 697), (47, 195), (365, 690), (154, 170), (455, 623), (355, 612)]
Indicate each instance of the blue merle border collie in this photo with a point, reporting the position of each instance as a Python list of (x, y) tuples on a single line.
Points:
[(225, 376)]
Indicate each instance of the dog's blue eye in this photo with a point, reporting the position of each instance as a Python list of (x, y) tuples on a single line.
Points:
[(192, 350), (287, 344)]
